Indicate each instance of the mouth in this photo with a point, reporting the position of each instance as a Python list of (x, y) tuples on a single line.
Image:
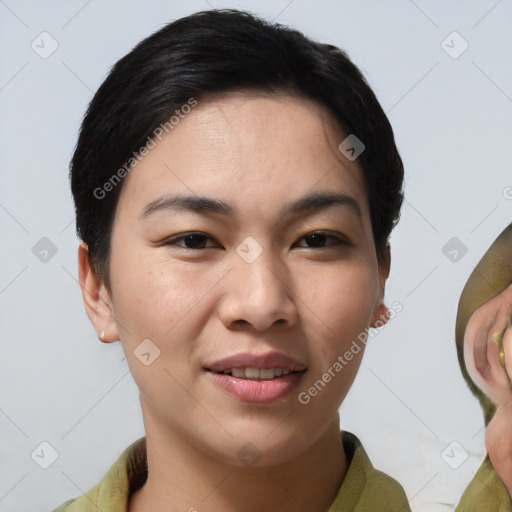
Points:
[(257, 373), (256, 379)]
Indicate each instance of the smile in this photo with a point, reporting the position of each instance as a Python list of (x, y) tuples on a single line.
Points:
[(257, 373), (252, 378)]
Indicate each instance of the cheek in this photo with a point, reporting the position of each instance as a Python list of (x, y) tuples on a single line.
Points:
[(160, 302), (343, 302), (153, 295), (335, 318)]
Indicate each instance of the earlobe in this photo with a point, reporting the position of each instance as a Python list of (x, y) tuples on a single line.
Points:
[(380, 316), (98, 305)]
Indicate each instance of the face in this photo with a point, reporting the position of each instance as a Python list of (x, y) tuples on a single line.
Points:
[(487, 325), (246, 300)]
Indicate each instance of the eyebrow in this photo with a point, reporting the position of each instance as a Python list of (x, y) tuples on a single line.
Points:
[(309, 203)]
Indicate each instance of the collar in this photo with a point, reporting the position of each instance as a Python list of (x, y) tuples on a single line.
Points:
[(363, 488)]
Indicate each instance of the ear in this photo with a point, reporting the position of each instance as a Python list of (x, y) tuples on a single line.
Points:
[(381, 312), (97, 302), (482, 350)]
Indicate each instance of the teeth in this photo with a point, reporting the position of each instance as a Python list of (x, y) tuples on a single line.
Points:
[(238, 372), (258, 373), (266, 373), (252, 373)]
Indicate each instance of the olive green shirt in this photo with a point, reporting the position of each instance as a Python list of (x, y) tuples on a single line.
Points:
[(364, 488), (486, 492)]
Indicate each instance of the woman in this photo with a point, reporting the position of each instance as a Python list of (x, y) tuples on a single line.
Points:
[(235, 187)]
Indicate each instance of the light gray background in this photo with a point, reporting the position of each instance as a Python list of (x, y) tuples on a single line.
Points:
[(453, 124)]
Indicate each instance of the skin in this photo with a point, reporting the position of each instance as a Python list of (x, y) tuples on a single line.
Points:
[(481, 351), (256, 152), (481, 354), (499, 443)]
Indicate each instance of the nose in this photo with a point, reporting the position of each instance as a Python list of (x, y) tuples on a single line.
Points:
[(258, 294)]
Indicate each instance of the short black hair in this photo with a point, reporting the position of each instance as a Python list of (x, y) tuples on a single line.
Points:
[(221, 50)]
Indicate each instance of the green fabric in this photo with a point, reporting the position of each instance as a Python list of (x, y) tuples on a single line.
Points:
[(364, 488), (485, 492)]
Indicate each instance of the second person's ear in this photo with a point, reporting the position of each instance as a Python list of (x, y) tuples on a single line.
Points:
[(485, 337)]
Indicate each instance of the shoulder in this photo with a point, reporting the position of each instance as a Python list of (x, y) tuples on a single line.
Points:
[(111, 494), (364, 487), (485, 492)]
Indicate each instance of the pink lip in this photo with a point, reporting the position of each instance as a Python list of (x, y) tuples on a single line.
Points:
[(246, 360), (256, 391)]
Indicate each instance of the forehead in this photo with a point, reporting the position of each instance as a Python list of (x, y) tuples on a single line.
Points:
[(244, 144)]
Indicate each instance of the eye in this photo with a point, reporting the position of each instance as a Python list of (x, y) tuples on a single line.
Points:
[(194, 240), (318, 239), (197, 240)]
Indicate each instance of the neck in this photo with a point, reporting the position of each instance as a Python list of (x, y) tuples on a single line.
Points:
[(182, 478)]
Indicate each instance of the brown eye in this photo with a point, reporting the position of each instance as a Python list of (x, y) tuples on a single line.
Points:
[(319, 239), (189, 240)]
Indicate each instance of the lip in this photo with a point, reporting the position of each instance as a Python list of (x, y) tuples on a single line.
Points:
[(253, 391), (247, 360), (256, 391)]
